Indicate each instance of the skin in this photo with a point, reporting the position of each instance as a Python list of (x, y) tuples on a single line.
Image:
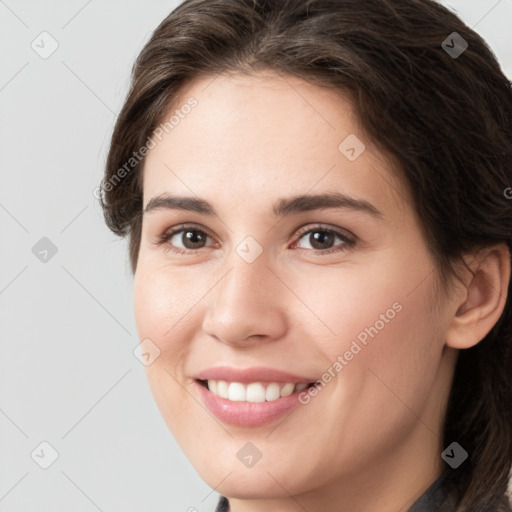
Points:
[(371, 439)]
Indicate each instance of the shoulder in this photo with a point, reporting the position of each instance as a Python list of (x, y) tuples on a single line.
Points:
[(442, 496), (223, 505), (436, 498)]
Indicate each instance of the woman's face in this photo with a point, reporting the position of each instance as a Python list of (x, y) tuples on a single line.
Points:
[(336, 289)]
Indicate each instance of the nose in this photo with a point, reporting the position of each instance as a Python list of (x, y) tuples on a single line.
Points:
[(247, 305)]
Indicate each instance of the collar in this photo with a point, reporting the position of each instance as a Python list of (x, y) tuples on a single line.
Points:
[(435, 498)]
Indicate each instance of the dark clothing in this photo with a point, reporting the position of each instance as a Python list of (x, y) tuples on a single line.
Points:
[(433, 500)]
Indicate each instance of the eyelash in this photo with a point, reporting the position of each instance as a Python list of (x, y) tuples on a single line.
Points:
[(347, 240)]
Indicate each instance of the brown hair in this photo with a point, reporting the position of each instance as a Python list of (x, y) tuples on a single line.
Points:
[(445, 118)]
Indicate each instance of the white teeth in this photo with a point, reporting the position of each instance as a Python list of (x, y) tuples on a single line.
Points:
[(236, 392), (214, 386), (253, 392), (287, 389), (222, 388), (273, 392)]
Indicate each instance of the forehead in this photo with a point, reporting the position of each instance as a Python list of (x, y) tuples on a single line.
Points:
[(265, 135)]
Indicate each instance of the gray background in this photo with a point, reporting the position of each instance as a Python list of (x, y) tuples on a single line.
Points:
[(68, 373)]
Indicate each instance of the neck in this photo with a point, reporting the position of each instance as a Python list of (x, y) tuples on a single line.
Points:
[(388, 485)]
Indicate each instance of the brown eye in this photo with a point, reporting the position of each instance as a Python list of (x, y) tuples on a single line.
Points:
[(182, 239), (191, 238), (323, 240)]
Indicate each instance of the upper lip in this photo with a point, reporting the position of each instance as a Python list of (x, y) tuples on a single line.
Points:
[(248, 375)]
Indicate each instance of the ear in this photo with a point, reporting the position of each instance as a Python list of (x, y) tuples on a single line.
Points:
[(479, 304)]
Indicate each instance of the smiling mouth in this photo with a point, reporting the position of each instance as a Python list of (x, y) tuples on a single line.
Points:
[(255, 392)]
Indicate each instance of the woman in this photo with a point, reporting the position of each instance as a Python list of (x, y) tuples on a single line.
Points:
[(315, 194)]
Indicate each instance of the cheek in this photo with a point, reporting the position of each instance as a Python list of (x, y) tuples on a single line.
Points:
[(378, 320), (389, 346), (161, 316), (362, 302), (162, 302)]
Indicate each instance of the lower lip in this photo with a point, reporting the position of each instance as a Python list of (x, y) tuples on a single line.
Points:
[(247, 414)]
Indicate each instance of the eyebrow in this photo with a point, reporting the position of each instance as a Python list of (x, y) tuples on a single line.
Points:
[(282, 207)]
